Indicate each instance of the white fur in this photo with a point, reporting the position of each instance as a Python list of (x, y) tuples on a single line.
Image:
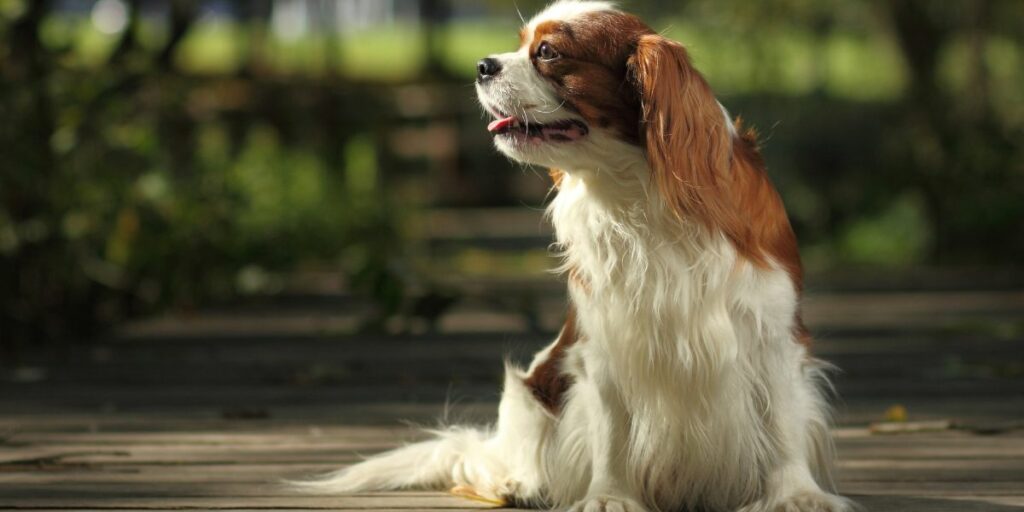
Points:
[(728, 121), (566, 10), (689, 388)]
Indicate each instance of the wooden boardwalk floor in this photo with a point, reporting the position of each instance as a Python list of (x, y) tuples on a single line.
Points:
[(217, 413)]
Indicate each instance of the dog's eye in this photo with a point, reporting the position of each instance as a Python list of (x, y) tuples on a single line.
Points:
[(546, 52)]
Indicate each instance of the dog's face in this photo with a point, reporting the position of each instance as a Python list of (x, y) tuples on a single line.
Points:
[(567, 84), (589, 81)]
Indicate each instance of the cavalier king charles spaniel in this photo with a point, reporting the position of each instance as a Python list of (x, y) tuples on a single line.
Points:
[(682, 379)]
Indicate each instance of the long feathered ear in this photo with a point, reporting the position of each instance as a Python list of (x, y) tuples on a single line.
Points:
[(686, 135)]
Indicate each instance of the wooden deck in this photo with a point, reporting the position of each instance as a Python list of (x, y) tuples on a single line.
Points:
[(213, 411)]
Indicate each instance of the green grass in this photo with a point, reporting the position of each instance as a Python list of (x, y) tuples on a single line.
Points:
[(863, 69), (792, 61), (466, 43), (213, 48), (391, 53)]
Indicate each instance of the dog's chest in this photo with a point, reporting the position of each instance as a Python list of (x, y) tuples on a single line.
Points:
[(633, 270), (607, 236)]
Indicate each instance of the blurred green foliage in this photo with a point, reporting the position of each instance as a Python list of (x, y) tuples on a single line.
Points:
[(195, 159), (128, 186)]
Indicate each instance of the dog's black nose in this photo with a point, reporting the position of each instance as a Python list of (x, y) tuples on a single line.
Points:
[(487, 69)]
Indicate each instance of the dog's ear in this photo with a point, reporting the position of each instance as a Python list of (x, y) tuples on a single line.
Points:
[(684, 130)]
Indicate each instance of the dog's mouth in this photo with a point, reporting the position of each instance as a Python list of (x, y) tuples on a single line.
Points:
[(567, 130)]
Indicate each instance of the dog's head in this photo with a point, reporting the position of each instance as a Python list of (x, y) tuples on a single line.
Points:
[(589, 81), (595, 90)]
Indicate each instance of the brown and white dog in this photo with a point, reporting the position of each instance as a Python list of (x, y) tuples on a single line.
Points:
[(682, 378)]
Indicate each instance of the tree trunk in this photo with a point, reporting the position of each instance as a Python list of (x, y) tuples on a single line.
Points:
[(183, 15), (435, 16)]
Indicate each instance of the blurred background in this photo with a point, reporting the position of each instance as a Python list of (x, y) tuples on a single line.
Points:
[(159, 158)]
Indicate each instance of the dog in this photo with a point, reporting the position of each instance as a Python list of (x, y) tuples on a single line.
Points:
[(682, 378)]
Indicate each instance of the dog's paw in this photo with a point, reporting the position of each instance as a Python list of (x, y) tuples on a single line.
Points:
[(803, 502), (607, 504)]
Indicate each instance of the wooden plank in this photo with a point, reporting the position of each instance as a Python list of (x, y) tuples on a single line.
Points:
[(339, 506), (874, 503), (930, 446), (234, 508), (274, 436), (870, 503), (849, 472), (171, 473), (124, 457), (933, 447), (12, 491), (895, 488), (922, 490), (171, 455), (134, 499), (220, 495), (910, 308)]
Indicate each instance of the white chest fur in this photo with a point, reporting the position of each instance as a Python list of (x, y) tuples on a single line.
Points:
[(641, 274), (696, 342)]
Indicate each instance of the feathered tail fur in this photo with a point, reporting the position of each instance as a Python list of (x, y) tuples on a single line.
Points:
[(431, 464)]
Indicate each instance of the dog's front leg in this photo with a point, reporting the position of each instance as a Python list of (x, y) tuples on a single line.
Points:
[(610, 487)]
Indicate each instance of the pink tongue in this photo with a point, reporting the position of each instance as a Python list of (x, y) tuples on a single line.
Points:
[(500, 124)]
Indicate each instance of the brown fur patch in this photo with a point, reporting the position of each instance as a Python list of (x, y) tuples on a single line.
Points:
[(591, 73), (548, 382), (556, 176), (702, 171)]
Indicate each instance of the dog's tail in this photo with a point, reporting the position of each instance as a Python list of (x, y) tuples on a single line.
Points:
[(431, 464)]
